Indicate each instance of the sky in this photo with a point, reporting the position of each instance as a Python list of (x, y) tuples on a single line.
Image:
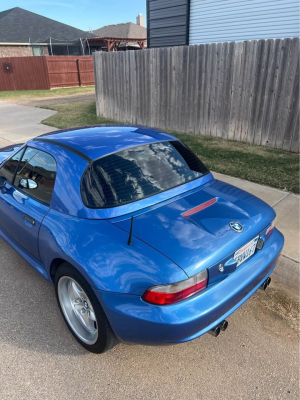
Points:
[(83, 14)]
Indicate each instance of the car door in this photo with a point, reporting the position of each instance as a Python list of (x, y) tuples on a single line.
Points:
[(25, 199)]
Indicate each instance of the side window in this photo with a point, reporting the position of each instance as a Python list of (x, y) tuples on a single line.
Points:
[(9, 168), (40, 167)]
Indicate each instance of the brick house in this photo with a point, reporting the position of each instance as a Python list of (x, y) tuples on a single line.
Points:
[(24, 33)]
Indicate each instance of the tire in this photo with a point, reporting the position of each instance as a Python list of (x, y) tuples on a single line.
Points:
[(82, 311)]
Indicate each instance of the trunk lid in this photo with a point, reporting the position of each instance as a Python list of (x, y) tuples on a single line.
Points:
[(201, 239)]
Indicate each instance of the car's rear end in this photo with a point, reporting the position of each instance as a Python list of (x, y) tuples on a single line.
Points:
[(222, 238), (134, 319)]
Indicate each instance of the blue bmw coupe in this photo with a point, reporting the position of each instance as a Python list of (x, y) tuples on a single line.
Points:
[(142, 244)]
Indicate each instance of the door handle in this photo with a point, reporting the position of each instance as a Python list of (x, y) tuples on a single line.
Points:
[(29, 219)]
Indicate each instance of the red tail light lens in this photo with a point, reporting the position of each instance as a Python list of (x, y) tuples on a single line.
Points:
[(270, 229), (169, 294)]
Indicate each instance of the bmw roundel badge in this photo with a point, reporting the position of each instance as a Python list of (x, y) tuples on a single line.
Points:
[(236, 226)]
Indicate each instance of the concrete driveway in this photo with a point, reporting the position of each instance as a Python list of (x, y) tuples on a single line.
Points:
[(21, 123)]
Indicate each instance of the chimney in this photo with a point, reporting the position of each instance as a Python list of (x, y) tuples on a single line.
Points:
[(140, 20)]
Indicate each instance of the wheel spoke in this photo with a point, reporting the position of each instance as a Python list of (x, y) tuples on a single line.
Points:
[(82, 316), (92, 315), (76, 292), (78, 310), (77, 307), (86, 320)]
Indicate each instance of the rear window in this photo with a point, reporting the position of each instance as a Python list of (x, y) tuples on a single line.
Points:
[(139, 172)]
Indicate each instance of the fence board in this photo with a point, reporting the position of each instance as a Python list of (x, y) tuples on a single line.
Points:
[(235, 90), (242, 91), (182, 88), (246, 135), (202, 80), (284, 100), (219, 88), (271, 87), (279, 92), (224, 120), (263, 51)]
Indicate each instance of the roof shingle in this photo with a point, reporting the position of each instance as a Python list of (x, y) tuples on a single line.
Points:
[(18, 25), (126, 30)]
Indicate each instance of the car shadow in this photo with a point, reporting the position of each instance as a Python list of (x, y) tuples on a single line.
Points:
[(30, 317)]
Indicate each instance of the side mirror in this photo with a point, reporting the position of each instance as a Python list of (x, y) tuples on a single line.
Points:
[(28, 184), (2, 182)]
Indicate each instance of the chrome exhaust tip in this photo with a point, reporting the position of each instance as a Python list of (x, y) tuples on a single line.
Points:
[(223, 325), (264, 285), (215, 331)]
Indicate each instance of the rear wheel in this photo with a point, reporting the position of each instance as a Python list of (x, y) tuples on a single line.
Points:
[(82, 311)]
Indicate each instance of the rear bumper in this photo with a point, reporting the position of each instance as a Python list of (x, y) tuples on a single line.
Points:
[(136, 321)]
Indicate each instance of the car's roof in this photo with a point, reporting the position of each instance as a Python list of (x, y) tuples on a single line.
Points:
[(98, 141)]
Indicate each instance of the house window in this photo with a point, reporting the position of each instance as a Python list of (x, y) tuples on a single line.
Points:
[(37, 50)]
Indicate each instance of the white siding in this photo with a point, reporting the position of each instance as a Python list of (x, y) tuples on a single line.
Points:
[(239, 20)]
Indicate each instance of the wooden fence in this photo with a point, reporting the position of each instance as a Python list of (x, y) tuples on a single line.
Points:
[(240, 91), (46, 72)]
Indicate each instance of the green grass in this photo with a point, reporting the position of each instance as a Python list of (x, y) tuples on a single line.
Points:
[(271, 167), (276, 168), (78, 113), (39, 94)]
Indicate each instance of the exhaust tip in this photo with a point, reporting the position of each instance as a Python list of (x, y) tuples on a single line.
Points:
[(266, 283), (223, 325), (264, 286), (215, 331)]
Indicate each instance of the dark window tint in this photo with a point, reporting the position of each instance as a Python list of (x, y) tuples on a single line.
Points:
[(139, 172), (9, 168), (41, 168)]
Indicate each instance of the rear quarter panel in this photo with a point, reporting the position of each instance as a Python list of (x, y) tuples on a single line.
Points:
[(100, 252)]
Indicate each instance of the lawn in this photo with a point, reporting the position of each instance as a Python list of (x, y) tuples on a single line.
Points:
[(47, 94), (276, 168), (79, 113)]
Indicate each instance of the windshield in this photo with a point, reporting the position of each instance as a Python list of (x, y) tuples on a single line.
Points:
[(139, 172)]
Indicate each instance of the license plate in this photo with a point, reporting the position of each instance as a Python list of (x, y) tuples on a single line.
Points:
[(246, 251)]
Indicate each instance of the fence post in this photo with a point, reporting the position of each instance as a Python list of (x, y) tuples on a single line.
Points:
[(78, 70)]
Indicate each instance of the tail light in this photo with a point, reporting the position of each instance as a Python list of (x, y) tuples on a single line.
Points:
[(169, 294), (270, 229)]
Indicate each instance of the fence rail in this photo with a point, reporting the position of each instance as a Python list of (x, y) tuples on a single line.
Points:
[(240, 91), (38, 73)]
